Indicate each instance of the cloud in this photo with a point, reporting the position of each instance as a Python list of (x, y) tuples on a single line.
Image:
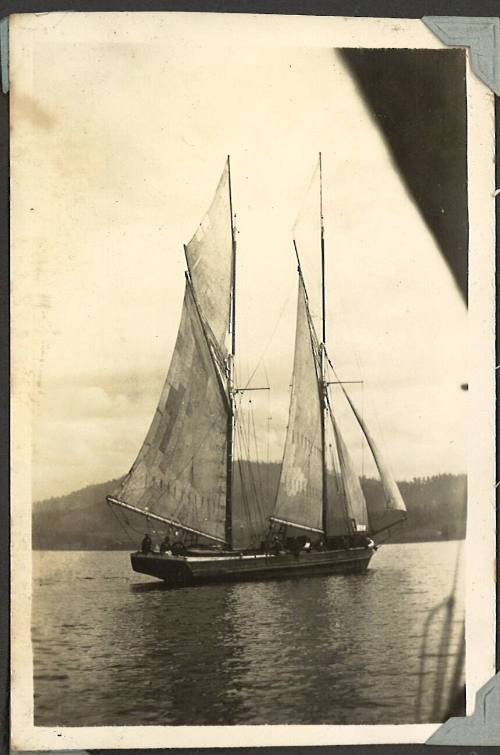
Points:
[(118, 189)]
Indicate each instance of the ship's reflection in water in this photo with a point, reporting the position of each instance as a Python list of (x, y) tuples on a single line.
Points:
[(113, 649)]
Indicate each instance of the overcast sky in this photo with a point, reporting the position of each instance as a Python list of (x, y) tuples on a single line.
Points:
[(127, 126)]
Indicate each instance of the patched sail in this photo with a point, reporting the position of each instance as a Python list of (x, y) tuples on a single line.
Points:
[(395, 506), (299, 498), (355, 502), (180, 472), (209, 256)]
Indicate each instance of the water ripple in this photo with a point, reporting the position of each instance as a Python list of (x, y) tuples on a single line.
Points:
[(113, 648)]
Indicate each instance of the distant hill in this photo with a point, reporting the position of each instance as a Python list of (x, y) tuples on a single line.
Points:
[(83, 520)]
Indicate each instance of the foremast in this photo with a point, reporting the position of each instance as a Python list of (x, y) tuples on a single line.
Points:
[(228, 530), (323, 386)]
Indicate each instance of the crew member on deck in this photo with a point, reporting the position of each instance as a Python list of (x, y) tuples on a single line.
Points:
[(147, 544), (276, 546), (165, 544)]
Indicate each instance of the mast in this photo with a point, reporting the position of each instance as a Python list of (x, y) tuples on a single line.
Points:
[(323, 288), (323, 384), (230, 377)]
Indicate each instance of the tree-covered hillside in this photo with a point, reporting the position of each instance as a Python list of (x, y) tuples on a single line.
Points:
[(83, 520)]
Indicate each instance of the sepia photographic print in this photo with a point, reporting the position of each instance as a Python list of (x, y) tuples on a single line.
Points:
[(252, 380)]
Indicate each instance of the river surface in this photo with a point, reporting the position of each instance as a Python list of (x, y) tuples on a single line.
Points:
[(116, 648)]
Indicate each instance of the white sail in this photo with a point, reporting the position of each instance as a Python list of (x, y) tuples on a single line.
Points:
[(351, 487), (209, 255), (395, 506), (299, 498), (180, 472)]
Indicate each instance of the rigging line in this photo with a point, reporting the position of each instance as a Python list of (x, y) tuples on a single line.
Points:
[(259, 471), (268, 420), (251, 474), (342, 491), (239, 445), (122, 525), (287, 299), (379, 428), (334, 452), (305, 195), (363, 439), (244, 493), (361, 371), (257, 453), (336, 470), (341, 383), (246, 450), (245, 504), (252, 440), (233, 260)]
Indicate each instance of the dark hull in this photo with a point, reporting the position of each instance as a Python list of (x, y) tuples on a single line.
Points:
[(188, 570)]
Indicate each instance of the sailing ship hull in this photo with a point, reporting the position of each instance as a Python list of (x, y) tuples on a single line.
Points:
[(188, 570)]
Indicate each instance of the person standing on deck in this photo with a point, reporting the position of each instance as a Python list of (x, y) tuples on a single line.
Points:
[(165, 544), (147, 544)]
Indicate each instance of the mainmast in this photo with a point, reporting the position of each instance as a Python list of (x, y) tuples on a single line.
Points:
[(323, 383), (230, 377)]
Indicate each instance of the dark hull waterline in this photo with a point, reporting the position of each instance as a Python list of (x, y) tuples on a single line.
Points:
[(188, 570)]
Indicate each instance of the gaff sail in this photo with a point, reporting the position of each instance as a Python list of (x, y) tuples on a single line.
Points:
[(395, 509), (299, 498), (210, 258), (180, 472)]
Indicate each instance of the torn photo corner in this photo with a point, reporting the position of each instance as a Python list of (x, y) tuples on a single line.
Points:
[(253, 455)]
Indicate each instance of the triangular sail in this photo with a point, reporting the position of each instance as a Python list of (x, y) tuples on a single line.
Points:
[(209, 256), (307, 237), (299, 499), (395, 506), (351, 487), (180, 472)]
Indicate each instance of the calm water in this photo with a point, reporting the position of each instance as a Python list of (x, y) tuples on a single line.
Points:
[(115, 648)]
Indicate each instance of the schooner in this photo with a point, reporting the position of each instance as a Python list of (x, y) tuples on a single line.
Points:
[(183, 477)]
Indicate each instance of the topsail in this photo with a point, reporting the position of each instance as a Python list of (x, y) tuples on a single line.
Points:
[(210, 257)]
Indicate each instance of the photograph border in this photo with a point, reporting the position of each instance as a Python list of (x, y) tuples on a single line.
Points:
[(480, 289)]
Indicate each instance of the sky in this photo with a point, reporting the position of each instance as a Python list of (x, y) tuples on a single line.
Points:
[(125, 126)]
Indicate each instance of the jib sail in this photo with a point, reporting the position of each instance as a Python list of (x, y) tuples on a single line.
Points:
[(395, 509)]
